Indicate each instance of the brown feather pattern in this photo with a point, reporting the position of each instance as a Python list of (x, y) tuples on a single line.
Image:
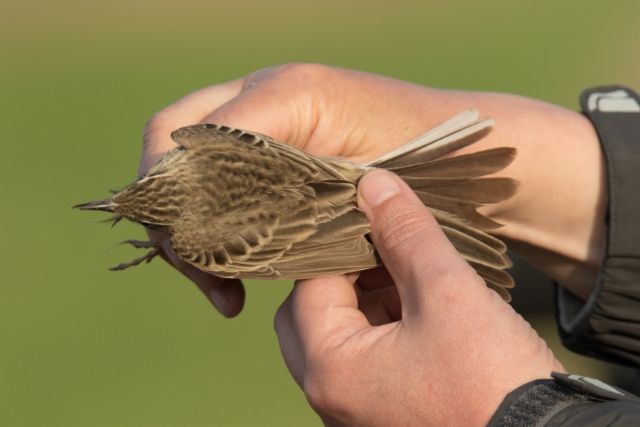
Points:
[(239, 204)]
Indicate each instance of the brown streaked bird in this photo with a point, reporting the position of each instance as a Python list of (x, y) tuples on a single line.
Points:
[(239, 204)]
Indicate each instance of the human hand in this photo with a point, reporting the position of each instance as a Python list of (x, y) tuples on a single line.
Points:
[(555, 221), (438, 348), (325, 111)]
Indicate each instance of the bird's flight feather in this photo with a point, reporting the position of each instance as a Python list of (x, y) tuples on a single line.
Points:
[(239, 204)]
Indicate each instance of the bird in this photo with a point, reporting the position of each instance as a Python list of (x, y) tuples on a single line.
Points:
[(239, 204)]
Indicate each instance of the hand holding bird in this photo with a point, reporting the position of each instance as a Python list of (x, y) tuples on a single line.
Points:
[(328, 111), (242, 205)]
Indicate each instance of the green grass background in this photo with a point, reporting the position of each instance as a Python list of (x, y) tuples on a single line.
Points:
[(81, 346)]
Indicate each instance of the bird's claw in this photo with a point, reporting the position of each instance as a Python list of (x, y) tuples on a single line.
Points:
[(157, 250)]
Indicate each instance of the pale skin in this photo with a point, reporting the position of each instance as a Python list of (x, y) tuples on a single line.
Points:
[(430, 345)]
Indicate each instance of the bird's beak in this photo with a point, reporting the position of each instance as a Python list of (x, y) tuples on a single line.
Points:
[(106, 205)]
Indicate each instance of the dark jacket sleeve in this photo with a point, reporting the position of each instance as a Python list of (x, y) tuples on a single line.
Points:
[(607, 326), (568, 401)]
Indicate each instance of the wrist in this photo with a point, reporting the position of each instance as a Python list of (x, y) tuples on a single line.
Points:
[(556, 220)]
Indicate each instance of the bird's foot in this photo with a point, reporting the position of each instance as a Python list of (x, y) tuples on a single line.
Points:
[(157, 250)]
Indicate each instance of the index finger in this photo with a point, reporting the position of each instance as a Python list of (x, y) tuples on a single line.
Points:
[(191, 109), (325, 313), (226, 295)]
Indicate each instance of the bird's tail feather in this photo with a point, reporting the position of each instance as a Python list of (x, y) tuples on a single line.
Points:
[(453, 188)]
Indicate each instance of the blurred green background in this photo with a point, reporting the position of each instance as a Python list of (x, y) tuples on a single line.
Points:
[(81, 346)]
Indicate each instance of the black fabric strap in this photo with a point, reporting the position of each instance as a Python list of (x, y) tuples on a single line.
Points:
[(565, 400), (539, 404), (607, 326)]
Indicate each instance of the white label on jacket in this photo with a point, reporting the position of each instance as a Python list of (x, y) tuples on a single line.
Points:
[(595, 383), (617, 101)]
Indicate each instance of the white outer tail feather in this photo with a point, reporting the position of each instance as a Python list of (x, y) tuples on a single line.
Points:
[(457, 127)]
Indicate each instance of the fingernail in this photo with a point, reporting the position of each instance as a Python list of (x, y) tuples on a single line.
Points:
[(376, 187), (218, 299)]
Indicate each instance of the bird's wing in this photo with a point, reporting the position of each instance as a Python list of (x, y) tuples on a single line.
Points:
[(274, 229), (319, 232), (337, 247), (193, 136)]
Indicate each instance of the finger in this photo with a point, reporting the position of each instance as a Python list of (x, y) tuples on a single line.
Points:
[(382, 306), (226, 295), (292, 119), (189, 110), (288, 341), (325, 313), (417, 254)]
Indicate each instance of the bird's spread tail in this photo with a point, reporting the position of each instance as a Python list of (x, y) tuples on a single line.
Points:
[(453, 188)]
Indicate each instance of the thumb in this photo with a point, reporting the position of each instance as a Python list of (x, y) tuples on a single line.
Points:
[(410, 242)]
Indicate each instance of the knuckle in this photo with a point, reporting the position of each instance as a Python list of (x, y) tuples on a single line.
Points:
[(321, 398), (155, 124), (304, 73), (315, 392), (324, 386), (403, 225)]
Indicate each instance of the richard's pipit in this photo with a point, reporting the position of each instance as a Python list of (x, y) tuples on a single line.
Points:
[(242, 205)]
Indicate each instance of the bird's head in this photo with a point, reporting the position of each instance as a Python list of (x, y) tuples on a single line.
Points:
[(154, 200)]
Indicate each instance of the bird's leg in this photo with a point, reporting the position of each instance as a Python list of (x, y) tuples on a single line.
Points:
[(140, 244)]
